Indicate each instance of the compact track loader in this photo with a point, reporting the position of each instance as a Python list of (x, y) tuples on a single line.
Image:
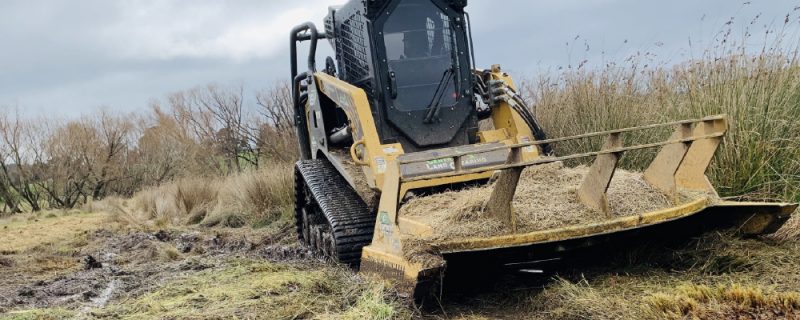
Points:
[(396, 113)]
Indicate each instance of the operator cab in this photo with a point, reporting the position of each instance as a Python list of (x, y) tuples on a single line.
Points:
[(421, 58), (412, 59)]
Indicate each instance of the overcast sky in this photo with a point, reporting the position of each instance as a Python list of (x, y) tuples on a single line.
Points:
[(70, 57)]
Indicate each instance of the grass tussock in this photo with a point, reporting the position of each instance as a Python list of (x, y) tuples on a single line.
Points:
[(255, 198), (722, 301), (791, 230)]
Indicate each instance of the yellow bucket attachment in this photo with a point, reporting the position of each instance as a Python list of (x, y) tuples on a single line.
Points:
[(679, 166)]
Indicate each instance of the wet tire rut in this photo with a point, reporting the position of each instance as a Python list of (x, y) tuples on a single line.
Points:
[(116, 266)]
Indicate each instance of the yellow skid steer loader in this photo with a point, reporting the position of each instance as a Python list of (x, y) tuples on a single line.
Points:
[(396, 113)]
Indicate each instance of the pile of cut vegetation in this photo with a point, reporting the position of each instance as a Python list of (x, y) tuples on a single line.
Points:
[(546, 198)]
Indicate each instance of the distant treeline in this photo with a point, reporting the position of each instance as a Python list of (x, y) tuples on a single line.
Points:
[(47, 162)]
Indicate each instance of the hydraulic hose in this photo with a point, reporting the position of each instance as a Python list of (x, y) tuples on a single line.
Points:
[(521, 107), (496, 91)]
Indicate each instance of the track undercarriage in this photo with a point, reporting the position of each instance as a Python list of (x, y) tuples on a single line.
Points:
[(331, 218)]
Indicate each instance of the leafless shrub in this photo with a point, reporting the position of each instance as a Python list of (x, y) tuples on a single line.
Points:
[(205, 132)]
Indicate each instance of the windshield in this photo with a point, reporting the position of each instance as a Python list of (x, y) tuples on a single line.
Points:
[(419, 46)]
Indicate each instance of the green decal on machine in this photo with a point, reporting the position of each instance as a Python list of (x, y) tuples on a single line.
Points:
[(385, 218), (386, 224), (441, 164)]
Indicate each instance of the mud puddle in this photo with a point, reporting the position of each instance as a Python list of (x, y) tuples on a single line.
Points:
[(115, 266)]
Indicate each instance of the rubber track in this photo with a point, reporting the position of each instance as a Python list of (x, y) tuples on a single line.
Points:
[(349, 217)]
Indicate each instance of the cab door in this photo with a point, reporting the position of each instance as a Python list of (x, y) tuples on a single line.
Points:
[(428, 88)]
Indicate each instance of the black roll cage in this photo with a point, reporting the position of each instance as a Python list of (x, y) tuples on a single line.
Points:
[(308, 32)]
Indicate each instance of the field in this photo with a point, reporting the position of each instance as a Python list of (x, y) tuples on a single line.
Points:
[(194, 272), (89, 265), (195, 222)]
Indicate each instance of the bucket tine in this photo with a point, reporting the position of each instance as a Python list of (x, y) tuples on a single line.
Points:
[(661, 172), (593, 190), (691, 173), (499, 203)]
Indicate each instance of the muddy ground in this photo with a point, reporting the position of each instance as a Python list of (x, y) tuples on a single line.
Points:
[(115, 267), (83, 274), (108, 271)]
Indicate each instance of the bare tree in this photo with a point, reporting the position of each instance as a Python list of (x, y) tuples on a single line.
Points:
[(276, 134), (10, 202), (69, 151), (113, 132), (19, 158), (217, 116), (83, 158), (165, 150), (45, 162)]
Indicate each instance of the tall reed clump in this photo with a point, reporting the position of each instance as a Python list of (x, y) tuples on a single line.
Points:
[(762, 96), (760, 158)]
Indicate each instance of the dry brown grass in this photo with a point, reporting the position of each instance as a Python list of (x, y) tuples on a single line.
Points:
[(26, 232), (759, 91), (546, 198), (717, 276), (195, 197), (255, 198), (791, 230), (39, 247), (643, 299), (722, 301)]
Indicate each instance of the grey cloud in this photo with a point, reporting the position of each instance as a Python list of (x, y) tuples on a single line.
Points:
[(69, 57)]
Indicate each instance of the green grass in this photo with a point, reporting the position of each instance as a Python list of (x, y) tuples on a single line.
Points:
[(258, 289)]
